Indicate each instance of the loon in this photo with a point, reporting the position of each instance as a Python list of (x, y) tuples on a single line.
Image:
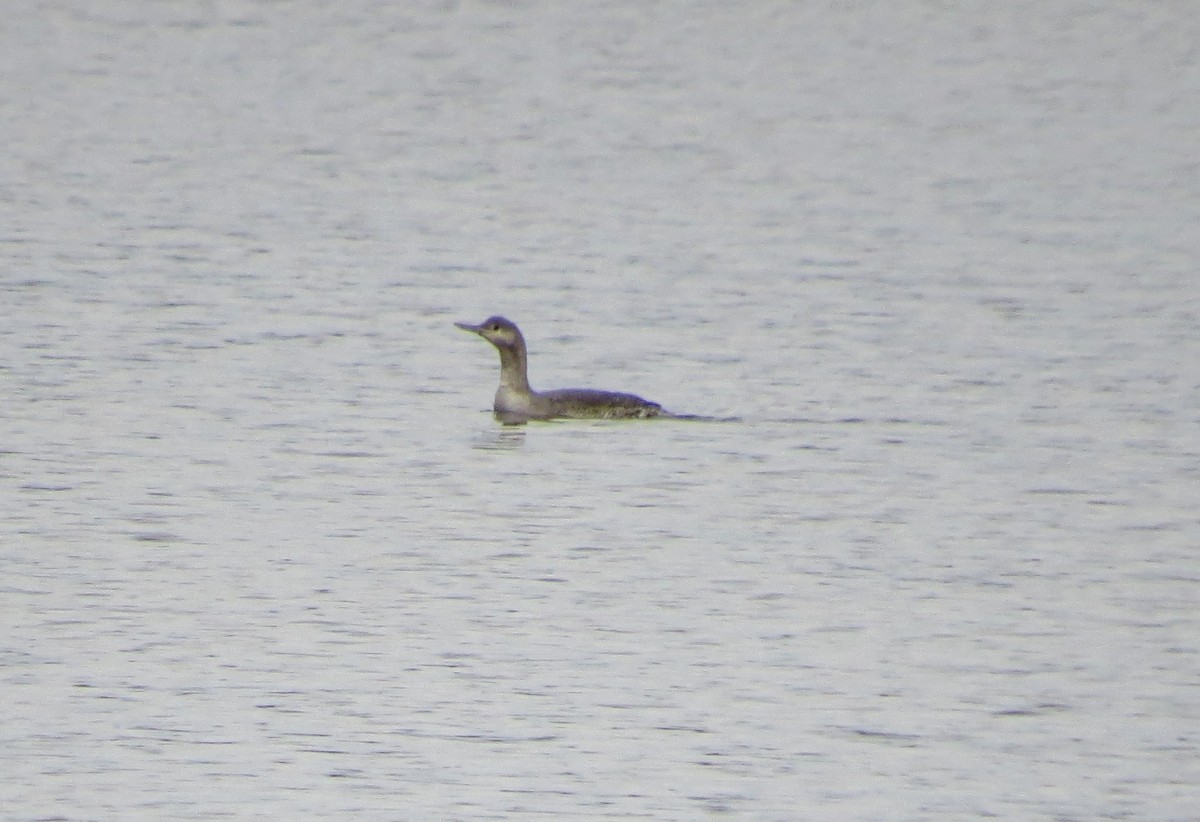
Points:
[(517, 402)]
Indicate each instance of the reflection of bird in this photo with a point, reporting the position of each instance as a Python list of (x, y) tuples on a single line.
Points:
[(517, 402)]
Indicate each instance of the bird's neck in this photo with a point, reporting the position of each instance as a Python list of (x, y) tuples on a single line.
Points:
[(513, 369)]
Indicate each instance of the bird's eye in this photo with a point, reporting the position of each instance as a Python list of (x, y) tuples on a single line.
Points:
[(494, 327)]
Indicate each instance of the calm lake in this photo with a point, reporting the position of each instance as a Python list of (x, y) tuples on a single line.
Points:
[(265, 554)]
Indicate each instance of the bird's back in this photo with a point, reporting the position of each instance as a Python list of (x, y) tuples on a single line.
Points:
[(589, 403)]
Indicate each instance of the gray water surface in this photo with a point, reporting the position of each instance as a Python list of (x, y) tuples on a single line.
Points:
[(266, 555)]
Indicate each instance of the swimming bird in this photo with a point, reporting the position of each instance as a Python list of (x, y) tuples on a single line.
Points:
[(517, 402)]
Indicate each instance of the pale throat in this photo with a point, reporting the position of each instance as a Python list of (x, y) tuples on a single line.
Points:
[(513, 375)]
